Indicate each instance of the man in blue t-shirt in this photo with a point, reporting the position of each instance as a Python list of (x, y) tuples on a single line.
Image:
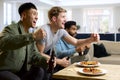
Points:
[(64, 49)]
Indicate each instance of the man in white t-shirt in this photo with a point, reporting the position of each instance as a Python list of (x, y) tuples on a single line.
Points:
[(55, 31)]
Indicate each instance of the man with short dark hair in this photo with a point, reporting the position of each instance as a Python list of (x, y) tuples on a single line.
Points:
[(64, 49), (19, 57)]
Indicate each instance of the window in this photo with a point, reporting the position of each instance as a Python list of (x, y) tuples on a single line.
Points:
[(40, 20), (7, 13), (97, 20), (69, 14)]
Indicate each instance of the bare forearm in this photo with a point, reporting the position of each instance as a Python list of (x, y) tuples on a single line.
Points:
[(84, 42), (58, 61), (45, 55)]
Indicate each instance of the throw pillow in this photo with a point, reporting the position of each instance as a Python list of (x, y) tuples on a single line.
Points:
[(100, 51)]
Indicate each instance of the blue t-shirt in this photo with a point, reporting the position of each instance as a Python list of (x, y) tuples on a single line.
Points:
[(64, 49), (51, 39)]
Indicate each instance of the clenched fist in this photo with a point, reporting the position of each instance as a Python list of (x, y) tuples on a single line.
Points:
[(94, 37), (39, 34)]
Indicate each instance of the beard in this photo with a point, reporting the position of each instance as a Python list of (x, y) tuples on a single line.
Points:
[(73, 35)]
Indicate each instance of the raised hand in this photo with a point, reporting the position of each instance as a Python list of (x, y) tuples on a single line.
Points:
[(39, 34), (95, 37), (80, 49)]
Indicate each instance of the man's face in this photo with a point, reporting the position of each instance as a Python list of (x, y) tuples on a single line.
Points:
[(60, 20), (72, 30), (31, 17)]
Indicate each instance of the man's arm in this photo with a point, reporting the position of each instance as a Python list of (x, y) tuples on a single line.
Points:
[(81, 42), (63, 62), (64, 49), (41, 48), (10, 41)]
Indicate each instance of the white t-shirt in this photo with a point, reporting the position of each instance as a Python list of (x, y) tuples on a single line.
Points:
[(51, 39)]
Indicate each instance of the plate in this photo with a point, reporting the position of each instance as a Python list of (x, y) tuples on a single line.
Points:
[(103, 71), (88, 65)]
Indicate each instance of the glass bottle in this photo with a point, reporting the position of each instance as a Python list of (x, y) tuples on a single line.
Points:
[(51, 61)]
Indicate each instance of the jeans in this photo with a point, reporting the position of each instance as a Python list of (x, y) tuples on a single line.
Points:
[(35, 73)]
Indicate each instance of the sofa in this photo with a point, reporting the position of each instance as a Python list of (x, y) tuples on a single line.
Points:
[(111, 47)]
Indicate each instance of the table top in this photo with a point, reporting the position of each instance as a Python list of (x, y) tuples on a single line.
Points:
[(71, 73)]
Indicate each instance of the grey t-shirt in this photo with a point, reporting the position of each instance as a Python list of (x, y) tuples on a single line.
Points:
[(50, 40)]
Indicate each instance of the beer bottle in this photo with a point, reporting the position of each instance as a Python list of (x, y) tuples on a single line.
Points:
[(51, 61)]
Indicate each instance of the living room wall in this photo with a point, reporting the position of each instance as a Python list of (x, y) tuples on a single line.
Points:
[(77, 15)]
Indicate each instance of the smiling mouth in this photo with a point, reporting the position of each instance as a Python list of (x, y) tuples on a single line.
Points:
[(63, 23), (34, 22)]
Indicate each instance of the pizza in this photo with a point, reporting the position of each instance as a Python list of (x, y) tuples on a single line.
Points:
[(89, 63), (92, 70)]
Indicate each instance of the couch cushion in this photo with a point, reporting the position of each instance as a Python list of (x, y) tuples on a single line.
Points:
[(100, 51), (112, 47), (113, 59)]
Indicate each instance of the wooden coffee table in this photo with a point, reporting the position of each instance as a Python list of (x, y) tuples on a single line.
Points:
[(71, 73)]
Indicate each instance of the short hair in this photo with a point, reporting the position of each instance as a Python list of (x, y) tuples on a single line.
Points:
[(26, 6), (54, 11), (68, 24)]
